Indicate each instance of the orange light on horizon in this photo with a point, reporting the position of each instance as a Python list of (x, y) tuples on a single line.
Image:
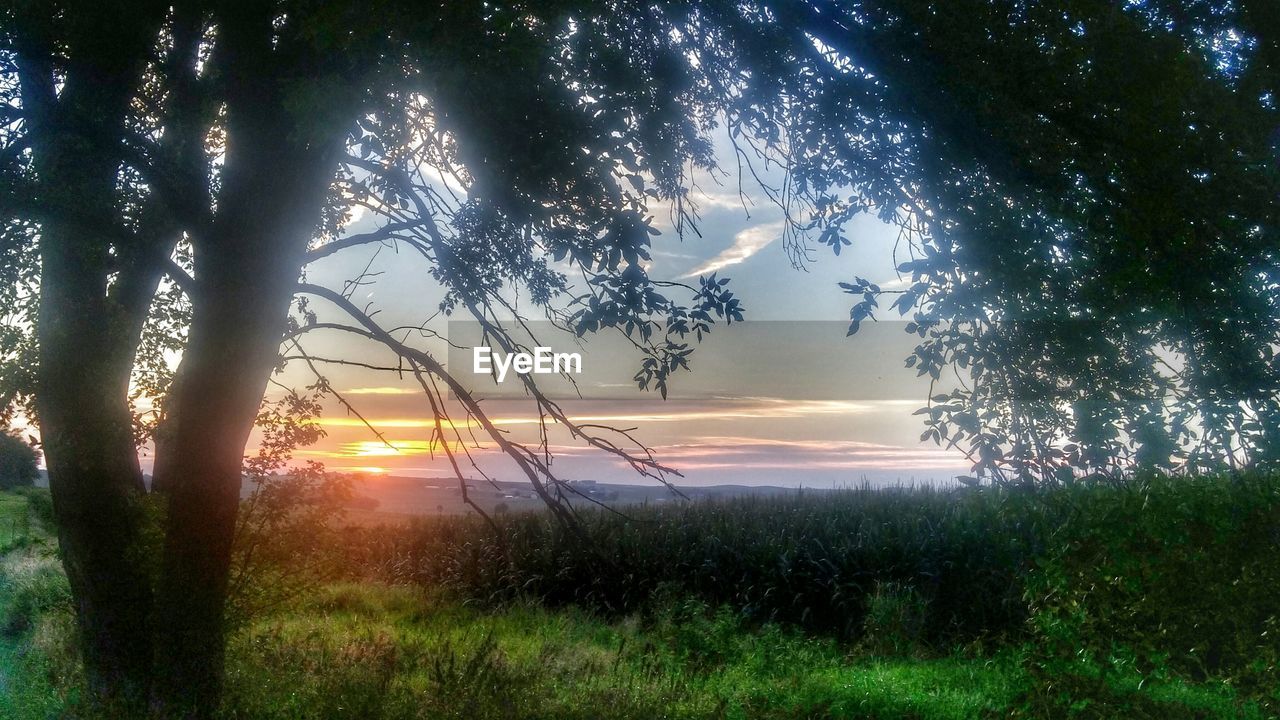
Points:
[(366, 469), (380, 391), (397, 423), (379, 448)]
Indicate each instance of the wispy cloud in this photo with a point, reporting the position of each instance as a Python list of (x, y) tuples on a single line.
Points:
[(395, 422), (380, 391), (722, 408), (720, 200), (720, 453), (748, 408), (390, 448), (896, 283), (745, 244)]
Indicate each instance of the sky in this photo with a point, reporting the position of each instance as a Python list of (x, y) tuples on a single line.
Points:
[(784, 398)]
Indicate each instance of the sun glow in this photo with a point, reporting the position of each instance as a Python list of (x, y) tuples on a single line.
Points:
[(375, 448), (367, 469), (397, 423)]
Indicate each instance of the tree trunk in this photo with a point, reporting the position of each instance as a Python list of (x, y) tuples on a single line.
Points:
[(246, 270), (88, 336), (97, 491), (97, 279), (88, 331)]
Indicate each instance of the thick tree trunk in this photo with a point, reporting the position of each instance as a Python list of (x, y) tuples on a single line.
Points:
[(88, 330), (234, 343), (87, 338), (245, 273), (88, 335), (97, 490), (166, 647)]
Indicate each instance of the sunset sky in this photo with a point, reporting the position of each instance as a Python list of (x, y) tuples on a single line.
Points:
[(783, 399)]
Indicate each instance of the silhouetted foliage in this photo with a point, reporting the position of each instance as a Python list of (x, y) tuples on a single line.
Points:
[(1087, 193)]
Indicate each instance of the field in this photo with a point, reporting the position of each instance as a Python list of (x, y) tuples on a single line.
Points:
[(1150, 598), (391, 499)]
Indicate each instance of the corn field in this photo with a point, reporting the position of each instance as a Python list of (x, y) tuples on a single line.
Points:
[(824, 560)]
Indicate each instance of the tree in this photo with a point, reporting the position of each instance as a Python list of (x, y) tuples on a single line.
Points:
[(170, 169), (173, 168), (1086, 192), (17, 462)]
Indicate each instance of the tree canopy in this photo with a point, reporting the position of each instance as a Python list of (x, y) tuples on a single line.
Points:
[(1087, 196)]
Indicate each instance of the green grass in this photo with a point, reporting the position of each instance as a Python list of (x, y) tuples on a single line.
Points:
[(360, 651), (368, 651), (35, 617), (15, 520)]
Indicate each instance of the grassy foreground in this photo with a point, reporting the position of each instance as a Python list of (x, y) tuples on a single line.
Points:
[(374, 648), (377, 651)]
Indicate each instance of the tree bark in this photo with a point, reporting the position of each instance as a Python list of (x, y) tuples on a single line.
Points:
[(275, 179), (244, 283), (97, 491), (162, 652), (88, 330)]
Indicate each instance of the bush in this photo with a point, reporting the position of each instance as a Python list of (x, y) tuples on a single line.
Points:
[(894, 623), (17, 462), (40, 503), (287, 539), (1157, 578)]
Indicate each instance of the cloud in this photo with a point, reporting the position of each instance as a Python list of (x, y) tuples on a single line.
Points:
[(721, 408), (380, 391), (389, 448), (724, 452), (897, 283), (401, 422), (747, 408), (720, 200), (745, 244)]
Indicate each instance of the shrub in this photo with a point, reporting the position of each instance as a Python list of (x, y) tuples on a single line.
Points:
[(894, 622), (1160, 577), (40, 503), (17, 462), (286, 539)]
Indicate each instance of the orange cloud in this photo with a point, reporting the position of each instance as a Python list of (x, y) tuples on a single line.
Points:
[(396, 423), (380, 391)]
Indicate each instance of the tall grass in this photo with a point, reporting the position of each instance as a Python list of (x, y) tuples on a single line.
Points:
[(816, 560), (15, 521), (1109, 581)]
